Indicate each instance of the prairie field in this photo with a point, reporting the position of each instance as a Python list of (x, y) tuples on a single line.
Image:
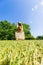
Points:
[(21, 52)]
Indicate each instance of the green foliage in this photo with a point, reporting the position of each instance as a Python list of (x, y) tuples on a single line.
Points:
[(39, 37), (29, 37), (26, 28), (27, 32), (7, 30)]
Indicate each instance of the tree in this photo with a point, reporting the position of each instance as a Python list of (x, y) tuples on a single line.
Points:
[(27, 31), (39, 37), (7, 30)]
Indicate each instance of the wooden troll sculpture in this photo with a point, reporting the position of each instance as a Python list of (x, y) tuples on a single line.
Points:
[(19, 34)]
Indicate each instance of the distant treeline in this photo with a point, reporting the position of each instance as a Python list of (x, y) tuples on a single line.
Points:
[(7, 31)]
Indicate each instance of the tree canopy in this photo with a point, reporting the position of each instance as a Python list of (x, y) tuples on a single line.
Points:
[(39, 37), (7, 30)]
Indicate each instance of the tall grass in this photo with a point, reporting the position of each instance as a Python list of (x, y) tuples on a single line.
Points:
[(28, 52)]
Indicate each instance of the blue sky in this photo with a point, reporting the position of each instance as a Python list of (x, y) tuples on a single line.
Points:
[(27, 11)]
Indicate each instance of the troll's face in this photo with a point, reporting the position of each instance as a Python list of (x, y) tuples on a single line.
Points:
[(19, 28)]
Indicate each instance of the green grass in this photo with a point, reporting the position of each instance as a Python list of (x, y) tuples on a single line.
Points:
[(26, 52)]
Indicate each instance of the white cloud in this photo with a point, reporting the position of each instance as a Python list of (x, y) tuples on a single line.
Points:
[(41, 2), (32, 9), (35, 7), (31, 22)]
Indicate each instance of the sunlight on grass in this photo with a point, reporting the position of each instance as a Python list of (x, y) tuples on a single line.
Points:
[(28, 52)]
